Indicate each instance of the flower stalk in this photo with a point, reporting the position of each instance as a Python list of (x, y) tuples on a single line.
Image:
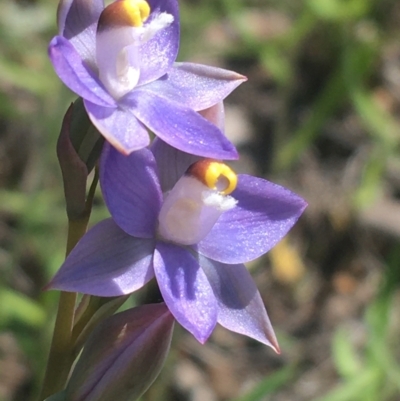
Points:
[(61, 354)]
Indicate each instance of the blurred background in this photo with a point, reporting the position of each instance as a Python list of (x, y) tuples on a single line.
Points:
[(319, 115)]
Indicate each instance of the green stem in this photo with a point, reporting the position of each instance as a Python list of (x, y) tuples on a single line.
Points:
[(61, 356), (59, 362)]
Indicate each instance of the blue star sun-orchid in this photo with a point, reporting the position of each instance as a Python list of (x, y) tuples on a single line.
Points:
[(121, 60), (191, 227)]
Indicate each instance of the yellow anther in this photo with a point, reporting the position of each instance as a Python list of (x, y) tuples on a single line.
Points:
[(137, 10), (221, 177), (124, 13), (215, 175)]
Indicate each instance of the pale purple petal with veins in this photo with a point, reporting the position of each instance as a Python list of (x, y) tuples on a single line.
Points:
[(120, 127), (179, 126), (264, 214), (131, 190), (185, 289), (241, 308), (75, 74), (106, 262), (195, 85), (77, 21), (158, 54)]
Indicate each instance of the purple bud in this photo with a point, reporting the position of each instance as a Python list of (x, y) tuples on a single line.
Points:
[(123, 355)]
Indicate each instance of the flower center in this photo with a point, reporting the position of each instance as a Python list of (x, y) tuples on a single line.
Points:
[(123, 27), (196, 202)]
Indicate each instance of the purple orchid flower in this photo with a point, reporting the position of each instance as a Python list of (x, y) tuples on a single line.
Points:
[(120, 60), (193, 239)]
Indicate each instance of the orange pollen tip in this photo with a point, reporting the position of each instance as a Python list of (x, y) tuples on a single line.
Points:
[(215, 175)]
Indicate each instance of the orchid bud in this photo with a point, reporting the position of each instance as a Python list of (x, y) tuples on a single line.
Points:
[(122, 356), (74, 170), (78, 148)]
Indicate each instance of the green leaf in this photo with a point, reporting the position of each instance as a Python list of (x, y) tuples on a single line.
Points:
[(371, 181), (344, 355), (380, 124), (15, 306), (339, 10), (25, 78), (354, 389), (277, 64)]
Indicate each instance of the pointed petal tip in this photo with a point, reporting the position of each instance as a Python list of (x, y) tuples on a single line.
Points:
[(275, 347), (271, 340), (302, 205), (234, 76), (51, 286), (202, 337), (232, 155), (119, 147), (51, 47)]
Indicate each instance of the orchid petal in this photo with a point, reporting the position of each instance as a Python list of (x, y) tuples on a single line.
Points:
[(172, 163), (196, 86), (77, 22), (215, 114), (131, 190), (159, 53), (264, 214), (179, 126), (120, 127), (106, 262), (241, 308), (75, 74), (185, 290)]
